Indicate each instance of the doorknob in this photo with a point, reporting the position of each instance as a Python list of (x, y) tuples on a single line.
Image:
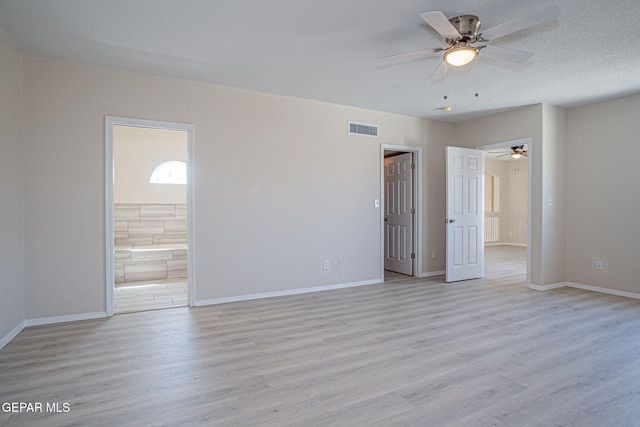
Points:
[(449, 221), (386, 219)]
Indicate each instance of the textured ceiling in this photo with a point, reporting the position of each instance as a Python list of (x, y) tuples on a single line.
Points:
[(326, 49)]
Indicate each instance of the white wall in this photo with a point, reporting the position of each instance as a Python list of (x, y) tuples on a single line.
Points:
[(554, 195), (603, 199), (438, 136), (279, 184), (11, 192), (137, 152), (517, 124), (513, 198)]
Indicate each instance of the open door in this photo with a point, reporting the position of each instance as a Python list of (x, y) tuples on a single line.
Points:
[(465, 212), (398, 213)]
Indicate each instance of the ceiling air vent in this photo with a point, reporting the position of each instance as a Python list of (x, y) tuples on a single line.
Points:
[(362, 129)]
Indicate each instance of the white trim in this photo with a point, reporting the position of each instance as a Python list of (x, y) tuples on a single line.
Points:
[(591, 288), (109, 230), (417, 191), (546, 287), (191, 218), (65, 319), (432, 274), (521, 245), (514, 143), (12, 334), (285, 293), (111, 121), (604, 290)]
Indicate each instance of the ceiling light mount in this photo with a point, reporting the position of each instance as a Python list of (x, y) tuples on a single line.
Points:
[(468, 27), (461, 52)]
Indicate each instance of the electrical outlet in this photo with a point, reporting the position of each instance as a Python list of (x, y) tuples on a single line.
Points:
[(339, 264), (599, 265), (326, 264)]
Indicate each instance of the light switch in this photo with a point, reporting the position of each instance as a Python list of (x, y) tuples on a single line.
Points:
[(376, 203), (550, 202)]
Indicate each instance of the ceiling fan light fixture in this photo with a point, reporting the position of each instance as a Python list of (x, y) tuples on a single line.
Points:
[(460, 55), (516, 155)]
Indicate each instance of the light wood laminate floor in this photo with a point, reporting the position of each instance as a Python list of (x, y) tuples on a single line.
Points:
[(485, 352), (153, 295)]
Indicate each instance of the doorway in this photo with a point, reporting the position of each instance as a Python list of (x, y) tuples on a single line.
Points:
[(508, 206), (149, 226), (401, 222)]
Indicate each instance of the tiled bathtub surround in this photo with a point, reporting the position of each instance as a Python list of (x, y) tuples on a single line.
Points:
[(137, 224), (150, 242)]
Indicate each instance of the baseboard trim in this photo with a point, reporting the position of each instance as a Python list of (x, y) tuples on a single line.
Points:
[(604, 290), (432, 274), (65, 319), (522, 245), (546, 287), (585, 288), (200, 303), (12, 334)]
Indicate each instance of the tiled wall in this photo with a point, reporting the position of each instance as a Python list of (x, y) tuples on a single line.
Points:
[(150, 242), (138, 224)]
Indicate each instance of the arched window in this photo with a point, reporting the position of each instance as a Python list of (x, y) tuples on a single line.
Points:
[(172, 172)]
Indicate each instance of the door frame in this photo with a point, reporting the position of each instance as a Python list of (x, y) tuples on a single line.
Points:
[(110, 122), (530, 149), (417, 197)]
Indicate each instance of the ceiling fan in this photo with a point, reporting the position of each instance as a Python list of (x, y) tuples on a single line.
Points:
[(465, 41), (516, 152)]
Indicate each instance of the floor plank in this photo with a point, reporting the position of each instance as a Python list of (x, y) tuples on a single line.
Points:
[(486, 352), (150, 295)]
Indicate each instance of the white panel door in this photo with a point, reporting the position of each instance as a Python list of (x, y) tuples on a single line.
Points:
[(398, 215), (465, 214)]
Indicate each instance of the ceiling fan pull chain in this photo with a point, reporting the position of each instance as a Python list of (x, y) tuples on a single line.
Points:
[(445, 79), (476, 76)]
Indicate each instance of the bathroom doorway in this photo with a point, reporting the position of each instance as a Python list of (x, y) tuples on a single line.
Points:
[(148, 214)]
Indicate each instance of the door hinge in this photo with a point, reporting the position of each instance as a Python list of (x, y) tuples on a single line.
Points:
[(413, 166), (413, 255), (413, 211)]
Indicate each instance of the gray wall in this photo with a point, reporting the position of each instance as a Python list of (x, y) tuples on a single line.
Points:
[(513, 198), (603, 194), (11, 191), (279, 184)]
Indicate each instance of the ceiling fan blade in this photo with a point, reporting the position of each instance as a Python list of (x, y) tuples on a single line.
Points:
[(506, 54), (524, 153), (407, 55), (441, 24), (507, 154), (521, 22)]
